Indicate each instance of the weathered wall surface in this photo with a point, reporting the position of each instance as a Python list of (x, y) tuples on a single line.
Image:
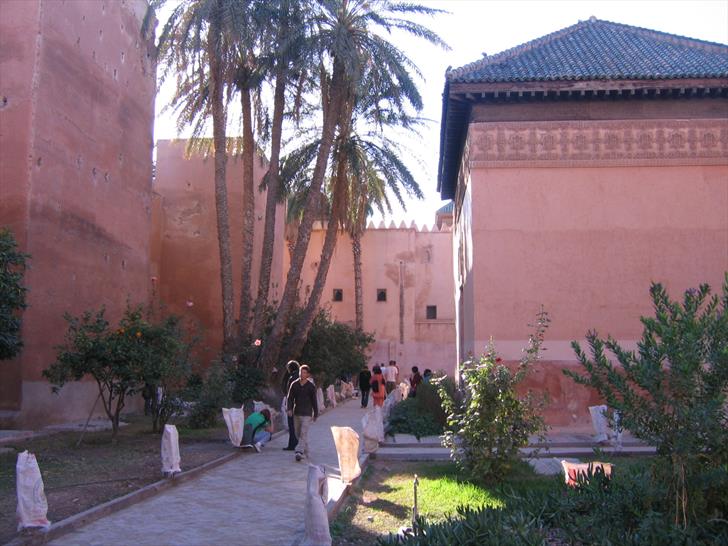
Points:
[(185, 260), (581, 217), (77, 115), (394, 258)]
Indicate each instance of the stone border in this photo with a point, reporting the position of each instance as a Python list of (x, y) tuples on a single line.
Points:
[(60, 528)]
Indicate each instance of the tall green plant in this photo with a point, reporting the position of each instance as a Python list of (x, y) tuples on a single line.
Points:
[(12, 294), (671, 392), (488, 422)]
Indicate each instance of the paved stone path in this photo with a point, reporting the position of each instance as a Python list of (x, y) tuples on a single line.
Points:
[(256, 499)]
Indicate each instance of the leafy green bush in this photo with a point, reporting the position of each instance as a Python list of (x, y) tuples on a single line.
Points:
[(215, 392), (12, 294), (247, 383), (488, 422), (334, 349), (408, 417), (671, 393)]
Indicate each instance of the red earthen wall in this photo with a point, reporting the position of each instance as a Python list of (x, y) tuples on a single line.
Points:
[(78, 91)]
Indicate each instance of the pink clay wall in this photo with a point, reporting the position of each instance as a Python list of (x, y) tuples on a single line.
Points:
[(76, 108), (426, 259), (585, 243), (185, 260)]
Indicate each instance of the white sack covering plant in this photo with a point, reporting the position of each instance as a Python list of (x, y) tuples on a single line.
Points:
[(170, 450), (347, 449), (331, 395), (316, 518), (599, 422), (320, 399), (32, 504), (235, 420), (284, 412), (373, 426)]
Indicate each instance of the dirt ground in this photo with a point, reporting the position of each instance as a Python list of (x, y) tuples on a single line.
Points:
[(78, 478)]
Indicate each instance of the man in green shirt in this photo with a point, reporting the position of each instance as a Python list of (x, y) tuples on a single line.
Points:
[(262, 426)]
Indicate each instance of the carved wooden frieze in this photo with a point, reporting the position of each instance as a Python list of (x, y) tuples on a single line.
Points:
[(599, 143)]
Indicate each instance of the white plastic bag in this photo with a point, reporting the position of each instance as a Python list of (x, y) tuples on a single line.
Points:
[(316, 518), (284, 412), (599, 422), (320, 399), (170, 450), (331, 395), (373, 429), (347, 449), (32, 504), (235, 421), (404, 388)]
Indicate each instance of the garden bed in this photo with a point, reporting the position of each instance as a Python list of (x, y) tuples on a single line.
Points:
[(382, 500), (79, 478)]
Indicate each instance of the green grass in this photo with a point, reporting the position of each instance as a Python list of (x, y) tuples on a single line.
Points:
[(382, 501)]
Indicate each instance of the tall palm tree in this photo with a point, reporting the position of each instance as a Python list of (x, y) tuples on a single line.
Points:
[(287, 50), (348, 45), (196, 43)]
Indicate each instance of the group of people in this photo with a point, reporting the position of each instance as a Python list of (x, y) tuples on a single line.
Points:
[(302, 405), (382, 380), (301, 410)]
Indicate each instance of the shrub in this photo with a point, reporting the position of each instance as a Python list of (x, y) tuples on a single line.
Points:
[(489, 423), (408, 417), (12, 294), (247, 383), (671, 392), (215, 392), (334, 349)]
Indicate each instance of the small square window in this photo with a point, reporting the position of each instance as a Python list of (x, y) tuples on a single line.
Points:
[(431, 312), (381, 294), (338, 294)]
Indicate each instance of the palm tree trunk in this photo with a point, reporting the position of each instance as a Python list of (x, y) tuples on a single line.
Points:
[(359, 304), (221, 203), (333, 103), (249, 154), (266, 259), (298, 339)]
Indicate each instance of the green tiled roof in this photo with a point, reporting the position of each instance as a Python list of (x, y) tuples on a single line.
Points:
[(599, 50)]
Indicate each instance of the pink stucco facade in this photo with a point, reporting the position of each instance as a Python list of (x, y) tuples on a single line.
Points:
[(185, 257), (405, 261), (76, 120), (580, 215)]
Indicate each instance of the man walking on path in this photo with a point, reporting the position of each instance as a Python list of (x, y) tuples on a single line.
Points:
[(302, 406), (365, 376), (391, 375)]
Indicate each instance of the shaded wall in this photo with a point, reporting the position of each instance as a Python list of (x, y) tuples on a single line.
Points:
[(76, 115), (418, 263), (583, 229), (185, 258)]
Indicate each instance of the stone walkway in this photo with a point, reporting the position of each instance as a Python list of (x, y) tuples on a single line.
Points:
[(256, 499)]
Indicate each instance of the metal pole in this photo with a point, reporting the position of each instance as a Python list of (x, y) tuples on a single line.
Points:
[(414, 508)]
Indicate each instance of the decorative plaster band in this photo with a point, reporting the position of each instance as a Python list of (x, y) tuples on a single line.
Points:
[(599, 143)]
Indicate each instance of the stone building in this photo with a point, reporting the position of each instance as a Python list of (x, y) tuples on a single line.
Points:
[(583, 165), (76, 124)]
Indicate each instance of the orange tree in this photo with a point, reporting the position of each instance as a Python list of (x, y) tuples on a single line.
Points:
[(121, 360)]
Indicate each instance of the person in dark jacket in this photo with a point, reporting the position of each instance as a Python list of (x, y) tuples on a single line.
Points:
[(303, 407), (289, 377), (364, 387)]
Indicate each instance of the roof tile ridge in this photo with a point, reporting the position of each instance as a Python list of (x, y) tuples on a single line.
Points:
[(516, 50), (714, 47)]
